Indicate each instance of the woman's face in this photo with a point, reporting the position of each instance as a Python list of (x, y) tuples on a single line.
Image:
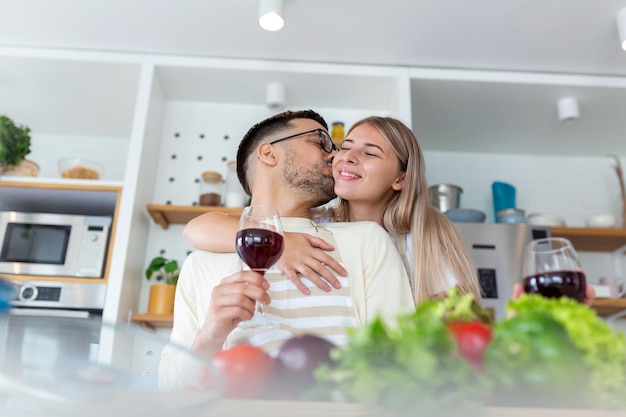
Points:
[(366, 169)]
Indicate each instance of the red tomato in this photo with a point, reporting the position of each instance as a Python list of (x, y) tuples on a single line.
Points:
[(472, 338), (248, 370)]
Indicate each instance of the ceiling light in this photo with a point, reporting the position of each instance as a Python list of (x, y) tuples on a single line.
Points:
[(568, 110), (271, 15), (275, 96), (621, 27)]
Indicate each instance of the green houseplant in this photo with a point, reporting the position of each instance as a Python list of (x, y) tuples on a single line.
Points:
[(165, 271), (14, 143)]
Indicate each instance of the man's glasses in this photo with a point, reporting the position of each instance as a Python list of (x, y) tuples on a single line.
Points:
[(325, 140)]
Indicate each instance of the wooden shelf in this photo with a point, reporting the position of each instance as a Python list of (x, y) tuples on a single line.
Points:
[(166, 214), (608, 306), (153, 321), (592, 239), (583, 238)]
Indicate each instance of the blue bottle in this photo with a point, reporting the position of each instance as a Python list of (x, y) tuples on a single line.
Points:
[(503, 197)]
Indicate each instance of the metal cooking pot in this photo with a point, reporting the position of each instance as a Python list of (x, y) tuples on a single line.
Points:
[(445, 196)]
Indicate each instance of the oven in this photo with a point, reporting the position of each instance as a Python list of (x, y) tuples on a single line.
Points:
[(43, 327)]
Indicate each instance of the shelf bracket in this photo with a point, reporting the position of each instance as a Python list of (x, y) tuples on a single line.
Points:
[(616, 257), (160, 219)]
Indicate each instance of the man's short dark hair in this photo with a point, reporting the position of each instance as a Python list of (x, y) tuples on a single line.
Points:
[(260, 131)]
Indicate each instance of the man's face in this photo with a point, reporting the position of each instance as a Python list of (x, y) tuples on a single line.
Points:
[(307, 168)]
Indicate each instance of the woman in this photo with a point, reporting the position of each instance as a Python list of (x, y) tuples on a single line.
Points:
[(379, 176)]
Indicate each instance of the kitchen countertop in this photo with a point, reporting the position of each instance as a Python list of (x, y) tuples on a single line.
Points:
[(261, 408)]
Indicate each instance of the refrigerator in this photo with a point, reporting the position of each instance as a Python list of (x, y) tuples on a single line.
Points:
[(497, 251)]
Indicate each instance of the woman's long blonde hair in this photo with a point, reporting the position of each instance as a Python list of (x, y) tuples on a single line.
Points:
[(437, 244)]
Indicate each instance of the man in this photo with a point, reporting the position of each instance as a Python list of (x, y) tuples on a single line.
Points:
[(285, 161)]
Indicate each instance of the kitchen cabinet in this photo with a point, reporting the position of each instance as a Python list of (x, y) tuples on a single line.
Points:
[(83, 197)]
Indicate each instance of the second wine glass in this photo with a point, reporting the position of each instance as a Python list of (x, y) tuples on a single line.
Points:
[(259, 244), (552, 269)]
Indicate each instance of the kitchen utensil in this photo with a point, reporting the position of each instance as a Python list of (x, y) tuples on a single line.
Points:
[(466, 216), (503, 195), (445, 196)]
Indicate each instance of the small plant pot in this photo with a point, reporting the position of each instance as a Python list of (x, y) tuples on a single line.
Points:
[(26, 168), (161, 299)]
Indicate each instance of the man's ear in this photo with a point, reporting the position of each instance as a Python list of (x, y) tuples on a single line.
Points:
[(398, 184), (266, 154)]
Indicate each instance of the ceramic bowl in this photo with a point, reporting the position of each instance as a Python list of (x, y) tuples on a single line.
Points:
[(545, 219), (80, 168), (601, 220), (461, 215)]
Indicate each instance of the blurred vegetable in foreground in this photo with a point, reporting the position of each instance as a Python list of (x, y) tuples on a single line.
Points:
[(603, 348), (412, 369), (533, 363), (450, 357)]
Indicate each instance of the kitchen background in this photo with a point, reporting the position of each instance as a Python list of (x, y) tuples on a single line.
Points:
[(171, 102), (204, 136)]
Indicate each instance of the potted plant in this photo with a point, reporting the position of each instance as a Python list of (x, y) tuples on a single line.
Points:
[(14, 146), (165, 271)]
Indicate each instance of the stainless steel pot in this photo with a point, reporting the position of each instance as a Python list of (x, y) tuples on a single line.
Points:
[(445, 196)]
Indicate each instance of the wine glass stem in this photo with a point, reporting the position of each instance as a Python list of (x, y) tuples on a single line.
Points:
[(258, 308)]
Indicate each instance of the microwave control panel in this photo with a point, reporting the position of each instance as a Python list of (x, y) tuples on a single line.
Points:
[(93, 249)]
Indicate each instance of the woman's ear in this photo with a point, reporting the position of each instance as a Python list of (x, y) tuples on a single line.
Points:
[(266, 154), (398, 184)]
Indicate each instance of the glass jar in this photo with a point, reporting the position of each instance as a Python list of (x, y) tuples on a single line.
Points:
[(511, 215), (235, 196), (211, 189), (337, 133)]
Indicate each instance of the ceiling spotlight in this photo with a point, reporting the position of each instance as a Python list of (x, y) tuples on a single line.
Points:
[(621, 27), (271, 15), (275, 96), (568, 110)]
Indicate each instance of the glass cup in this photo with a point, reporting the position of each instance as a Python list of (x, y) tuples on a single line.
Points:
[(551, 268)]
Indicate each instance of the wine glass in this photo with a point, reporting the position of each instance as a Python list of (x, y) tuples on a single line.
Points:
[(552, 269), (259, 244)]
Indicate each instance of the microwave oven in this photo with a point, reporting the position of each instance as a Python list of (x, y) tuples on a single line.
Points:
[(51, 244)]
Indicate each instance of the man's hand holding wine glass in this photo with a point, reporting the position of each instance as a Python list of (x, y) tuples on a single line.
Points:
[(232, 301)]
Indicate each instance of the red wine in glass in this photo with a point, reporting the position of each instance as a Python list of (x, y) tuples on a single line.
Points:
[(259, 243), (556, 284), (259, 248), (552, 269)]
